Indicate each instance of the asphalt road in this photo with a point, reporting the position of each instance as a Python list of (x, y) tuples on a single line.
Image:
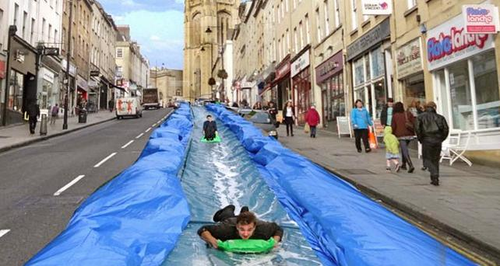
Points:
[(41, 185)]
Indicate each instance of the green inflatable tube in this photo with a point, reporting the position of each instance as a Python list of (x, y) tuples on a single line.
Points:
[(217, 139), (247, 246)]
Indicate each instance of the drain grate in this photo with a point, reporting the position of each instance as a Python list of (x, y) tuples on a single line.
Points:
[(356, 171)]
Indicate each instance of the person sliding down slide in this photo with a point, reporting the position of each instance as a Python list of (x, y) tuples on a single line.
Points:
[(209, 129), (242, 233)]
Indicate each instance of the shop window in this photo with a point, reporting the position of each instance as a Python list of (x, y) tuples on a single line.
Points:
[(380, 96), (359, 73), (378, 68), (487, 90), (460, 95), (414, 89)]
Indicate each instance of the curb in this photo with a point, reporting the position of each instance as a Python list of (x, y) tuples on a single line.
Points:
[(491, 251), (39, 139)]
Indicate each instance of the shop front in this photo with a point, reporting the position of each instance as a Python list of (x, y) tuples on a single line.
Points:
[(370, 61), (329, 76), (301, 79), (410, 73), (82, 90), (282, 83), (22, 87), (465, 79)]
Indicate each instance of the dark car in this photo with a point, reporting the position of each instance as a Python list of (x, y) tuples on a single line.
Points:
[(259, 118)]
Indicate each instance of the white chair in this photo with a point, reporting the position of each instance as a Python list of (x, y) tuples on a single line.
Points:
[(453, 150)]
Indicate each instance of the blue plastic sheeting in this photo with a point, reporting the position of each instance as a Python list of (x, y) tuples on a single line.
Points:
[(221, 174), (342, 225), (136, 218)]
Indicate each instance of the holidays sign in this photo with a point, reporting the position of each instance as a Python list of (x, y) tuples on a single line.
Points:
[(449, 43), (480, 18), (377, 7)]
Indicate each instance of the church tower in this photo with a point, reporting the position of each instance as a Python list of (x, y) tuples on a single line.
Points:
[(207, 24)]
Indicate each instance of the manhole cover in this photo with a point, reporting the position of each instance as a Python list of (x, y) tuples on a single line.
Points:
[(356, 171)]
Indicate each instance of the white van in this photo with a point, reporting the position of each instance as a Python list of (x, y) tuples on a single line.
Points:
[(128, 106)]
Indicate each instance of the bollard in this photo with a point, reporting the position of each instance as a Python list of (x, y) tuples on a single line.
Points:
[(43, 125)]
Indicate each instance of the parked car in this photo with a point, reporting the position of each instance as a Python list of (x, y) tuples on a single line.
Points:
[(259, 118)]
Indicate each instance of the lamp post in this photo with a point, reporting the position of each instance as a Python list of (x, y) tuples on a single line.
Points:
[(12, 32), (68, 57)]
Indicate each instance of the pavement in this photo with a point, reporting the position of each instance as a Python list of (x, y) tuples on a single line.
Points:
[(466, 205), (43, 183), (18, 135)]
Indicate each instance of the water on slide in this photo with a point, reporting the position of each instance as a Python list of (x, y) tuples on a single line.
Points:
[(217, 175)]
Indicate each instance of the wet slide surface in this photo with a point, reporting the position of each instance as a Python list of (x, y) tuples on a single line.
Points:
[(220, 174)]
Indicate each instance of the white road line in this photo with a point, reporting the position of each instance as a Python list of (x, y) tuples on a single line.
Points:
[(105, 159), (159, 122), (4, 232), (148, 130), (154, 125), (140, 135), (126, 145), (68, 185)]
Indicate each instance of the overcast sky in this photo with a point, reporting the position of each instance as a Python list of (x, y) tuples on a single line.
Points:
[(157, 25)]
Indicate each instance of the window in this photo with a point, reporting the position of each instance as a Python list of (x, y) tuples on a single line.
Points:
[(318, 21), (487, 93), (32, 33), (286, 5), (50, 36), (461, 100), (278, 14), (301, 32), (308, 32), (25, 18), (296, 40), (337, 13), (16, 12), (411, 3), (294, 4), (327, 18), (288, 40), (354, 16), (43, 28), (119, 52), (56, 40)]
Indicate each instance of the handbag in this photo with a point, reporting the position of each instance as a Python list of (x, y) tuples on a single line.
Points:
[(307, 128), (408, 124), (26, 116), (372, 139)]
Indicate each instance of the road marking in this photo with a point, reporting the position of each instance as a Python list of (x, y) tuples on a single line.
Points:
[(154, 125), (68, 185), (148, 130), (159, 122), (126, 145), (4, 232), (140, 135), (105, 159)]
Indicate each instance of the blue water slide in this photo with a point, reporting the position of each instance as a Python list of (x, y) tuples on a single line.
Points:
[(136, 218), (342, 225)]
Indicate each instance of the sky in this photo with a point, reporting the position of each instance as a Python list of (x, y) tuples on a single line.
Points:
[(157, 25)]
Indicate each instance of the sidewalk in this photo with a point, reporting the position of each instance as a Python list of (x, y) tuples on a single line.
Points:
[(466, 204), (17, 136)]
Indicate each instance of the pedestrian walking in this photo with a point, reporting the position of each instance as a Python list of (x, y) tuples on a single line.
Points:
[(361, 120), (415, 108), (33, 113), (391, 149), (403, 127), (54, 114), (312, 119), (273, 111), (386, 115), (289, 115), (111, 105), (432, 129)]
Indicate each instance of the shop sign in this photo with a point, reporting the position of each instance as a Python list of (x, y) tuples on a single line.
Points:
[(449, 43), (409, 59), (300, 64), (368, 40), (329, 68), (48, 76), (72, 68), (283, 70), (377, 7), (80, 82), (480, 19), (2, 69)]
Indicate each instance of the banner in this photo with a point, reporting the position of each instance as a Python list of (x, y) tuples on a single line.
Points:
[(480, 19), (376, 7)]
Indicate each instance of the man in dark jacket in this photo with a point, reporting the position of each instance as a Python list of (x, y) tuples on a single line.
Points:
[(209, 128), (386, 115), (33, 113), (432, 130), (243, 226)]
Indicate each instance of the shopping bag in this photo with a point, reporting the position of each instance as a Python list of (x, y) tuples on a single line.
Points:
[(372, 139), (26, 116), (307, 128)]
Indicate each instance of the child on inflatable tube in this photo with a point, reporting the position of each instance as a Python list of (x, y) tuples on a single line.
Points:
[(244, 226)]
